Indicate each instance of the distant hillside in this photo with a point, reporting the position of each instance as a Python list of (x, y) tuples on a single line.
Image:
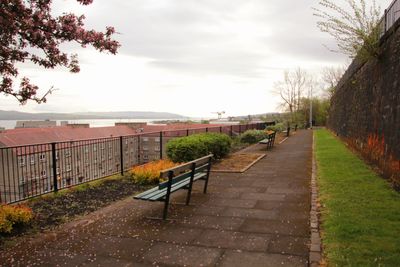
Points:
[(16, 115)]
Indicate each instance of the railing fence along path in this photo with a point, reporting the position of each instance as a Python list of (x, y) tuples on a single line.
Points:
[(391, 15), (33, 170)]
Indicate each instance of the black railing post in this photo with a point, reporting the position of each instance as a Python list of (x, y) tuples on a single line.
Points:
[(385, 18), (206, 129), (161, 145), (187, 132), (121, 155), (231, 131), (288, 131), (54, 160), (220, 129), (240, 129)]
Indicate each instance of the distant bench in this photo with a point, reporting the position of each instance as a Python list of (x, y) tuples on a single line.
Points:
[(179, 177), (269, 141)]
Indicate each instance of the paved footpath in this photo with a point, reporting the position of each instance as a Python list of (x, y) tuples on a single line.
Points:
[(258, 218)]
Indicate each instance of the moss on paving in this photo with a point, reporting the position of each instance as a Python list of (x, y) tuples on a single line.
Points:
[(360, 211)]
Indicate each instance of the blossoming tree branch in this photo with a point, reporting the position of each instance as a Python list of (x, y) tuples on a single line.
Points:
[(29, 32)]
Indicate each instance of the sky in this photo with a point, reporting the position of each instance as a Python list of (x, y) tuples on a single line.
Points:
[(190, 57)]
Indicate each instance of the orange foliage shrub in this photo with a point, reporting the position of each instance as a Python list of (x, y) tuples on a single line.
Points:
[(13, 215), (150, 172)]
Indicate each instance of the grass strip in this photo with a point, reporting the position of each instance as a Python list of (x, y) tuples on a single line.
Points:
[(360, 212)]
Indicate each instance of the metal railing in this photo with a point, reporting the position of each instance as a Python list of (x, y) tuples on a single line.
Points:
[(33, 170), (392, 14)]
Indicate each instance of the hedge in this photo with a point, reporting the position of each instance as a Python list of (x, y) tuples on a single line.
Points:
[(195, 146), (253, 136)]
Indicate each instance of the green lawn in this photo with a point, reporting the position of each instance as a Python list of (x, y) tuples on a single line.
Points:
[(360, 212)]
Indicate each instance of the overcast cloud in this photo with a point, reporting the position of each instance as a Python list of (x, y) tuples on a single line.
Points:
[(191, 57)]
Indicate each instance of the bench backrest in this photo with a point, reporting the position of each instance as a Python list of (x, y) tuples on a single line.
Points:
[(185, 170)]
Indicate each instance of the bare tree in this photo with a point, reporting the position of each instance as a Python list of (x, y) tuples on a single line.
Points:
[(356, 31), (330, 77), (291, 89)]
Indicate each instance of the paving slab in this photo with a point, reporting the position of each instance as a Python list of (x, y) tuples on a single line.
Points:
[(256, 218), (253, 259)]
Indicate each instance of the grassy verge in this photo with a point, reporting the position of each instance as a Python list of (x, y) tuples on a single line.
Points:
[(360, 212)]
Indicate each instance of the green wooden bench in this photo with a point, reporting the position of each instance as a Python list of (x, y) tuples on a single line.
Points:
[(179, 177), (269, 141)]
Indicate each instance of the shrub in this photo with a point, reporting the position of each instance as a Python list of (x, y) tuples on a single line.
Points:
[(13, 215), (150, 172), (279, 127), (253, 136), (198, 145)]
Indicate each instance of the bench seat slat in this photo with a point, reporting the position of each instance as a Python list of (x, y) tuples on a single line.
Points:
[(175, 187), (155, 193), (183, 176)]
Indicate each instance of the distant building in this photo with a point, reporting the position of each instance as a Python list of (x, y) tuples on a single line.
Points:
[(35, 124), (81, 154)]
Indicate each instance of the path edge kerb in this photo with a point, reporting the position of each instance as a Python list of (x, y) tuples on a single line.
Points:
[(315, 242)]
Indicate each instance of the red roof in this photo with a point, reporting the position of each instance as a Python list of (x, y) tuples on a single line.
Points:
[(26, 136), (29, 136)]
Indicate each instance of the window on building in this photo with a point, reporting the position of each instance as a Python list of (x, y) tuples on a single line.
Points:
[(32, 159), (94, 148), (67, 153), (58, 170), (145, 139), (157, 139), (42, 157), (145, 148), (157, 148), (57, 155), (146, 157), (68, 167), (21, 161), (102, 146), (43, 173), (86, 150), (22, 180), (126, 141)]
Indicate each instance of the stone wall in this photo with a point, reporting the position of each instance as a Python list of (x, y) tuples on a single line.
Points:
[(365, 110)]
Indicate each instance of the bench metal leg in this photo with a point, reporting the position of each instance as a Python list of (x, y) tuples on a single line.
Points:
[(166, 204), (189, 193), (208, 175)]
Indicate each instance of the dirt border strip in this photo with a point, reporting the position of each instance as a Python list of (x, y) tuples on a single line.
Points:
[(315, 244), (245, 168)]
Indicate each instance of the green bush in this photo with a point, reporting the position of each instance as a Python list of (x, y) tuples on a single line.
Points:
[(198, 145), (253, 136), (279, 127)]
